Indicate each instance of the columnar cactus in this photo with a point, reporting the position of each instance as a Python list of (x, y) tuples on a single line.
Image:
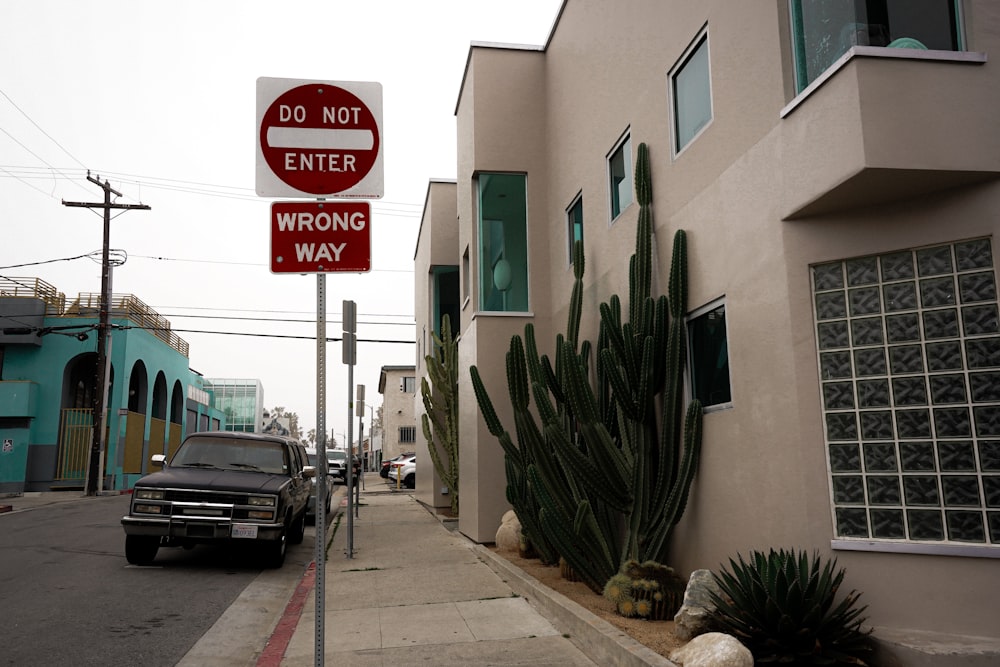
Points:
[(610, 466), (440, 418)]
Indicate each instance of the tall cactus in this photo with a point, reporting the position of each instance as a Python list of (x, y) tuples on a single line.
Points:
[(610, 467), (440, 418)]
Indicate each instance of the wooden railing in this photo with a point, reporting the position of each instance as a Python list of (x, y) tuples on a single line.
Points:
[(130, 307), (35, 288)]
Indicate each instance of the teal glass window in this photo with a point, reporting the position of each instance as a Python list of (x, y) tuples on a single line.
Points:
[(620, 173), (503, 242), (823, 30), (574, 222), (710, 356), (691, 90)]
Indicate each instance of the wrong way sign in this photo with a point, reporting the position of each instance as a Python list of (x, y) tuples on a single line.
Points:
[(319, 138), (321, 237)]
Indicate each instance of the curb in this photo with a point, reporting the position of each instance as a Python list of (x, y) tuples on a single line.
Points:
[(599, 640)]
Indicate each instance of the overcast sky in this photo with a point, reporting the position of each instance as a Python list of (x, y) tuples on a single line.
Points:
[(159, 98)]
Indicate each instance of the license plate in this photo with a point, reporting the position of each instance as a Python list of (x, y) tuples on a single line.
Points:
[(247, 531)]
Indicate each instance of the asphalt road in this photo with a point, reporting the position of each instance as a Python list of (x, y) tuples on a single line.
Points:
[(68, 596)]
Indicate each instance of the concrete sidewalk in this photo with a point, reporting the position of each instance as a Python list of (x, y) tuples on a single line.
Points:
[(417, 593)]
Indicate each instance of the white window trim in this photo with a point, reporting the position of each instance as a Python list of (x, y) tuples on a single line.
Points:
[(569, 226), (671, 100), (693, 315), (625, 136)]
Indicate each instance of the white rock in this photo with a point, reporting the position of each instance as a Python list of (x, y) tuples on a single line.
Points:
[(713, 649), (509, 533)]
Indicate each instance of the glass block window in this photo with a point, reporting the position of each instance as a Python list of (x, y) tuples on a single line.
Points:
[(909, 362)]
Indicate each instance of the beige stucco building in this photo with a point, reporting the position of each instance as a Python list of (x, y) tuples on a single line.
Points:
[(839, 187), (397, 384)]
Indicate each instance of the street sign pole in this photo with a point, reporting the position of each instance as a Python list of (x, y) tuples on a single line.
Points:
[(350, 324), (321, 515)]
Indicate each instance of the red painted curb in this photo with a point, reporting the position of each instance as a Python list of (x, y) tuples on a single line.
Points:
[(274, 651)]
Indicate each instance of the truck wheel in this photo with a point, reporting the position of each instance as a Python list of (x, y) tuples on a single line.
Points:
[(298, 529), (141, 549), (274, 552)]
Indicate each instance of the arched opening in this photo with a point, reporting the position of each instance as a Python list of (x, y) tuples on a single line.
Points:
[(135, 425), (76, 419), (158, 416), (176, 418)]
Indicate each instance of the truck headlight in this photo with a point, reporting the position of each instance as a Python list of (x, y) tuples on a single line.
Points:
[(262, 501), (144, 508), (149, 494)]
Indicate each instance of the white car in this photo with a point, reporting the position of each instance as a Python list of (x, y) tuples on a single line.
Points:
[(405, 470)]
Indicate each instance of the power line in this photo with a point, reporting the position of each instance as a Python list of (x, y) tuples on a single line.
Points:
[(263, 335), (39, 127)]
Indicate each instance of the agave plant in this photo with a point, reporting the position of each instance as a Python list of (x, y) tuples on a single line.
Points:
[(782, 606)]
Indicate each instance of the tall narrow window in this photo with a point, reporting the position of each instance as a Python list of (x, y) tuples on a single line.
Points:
[(503, 243), (822, 31), (574, 223), (620, 176), (466, 279), (710, 355), (691, 90), (408, 384)]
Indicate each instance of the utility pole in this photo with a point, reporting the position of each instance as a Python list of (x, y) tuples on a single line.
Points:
[(101, 375)]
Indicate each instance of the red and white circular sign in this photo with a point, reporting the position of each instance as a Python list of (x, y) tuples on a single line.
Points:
[(318, 139)]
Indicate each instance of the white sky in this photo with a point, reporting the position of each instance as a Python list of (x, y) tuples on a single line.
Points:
[(159, 98)]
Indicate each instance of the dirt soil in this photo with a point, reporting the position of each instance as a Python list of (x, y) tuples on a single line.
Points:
[(656, 635)]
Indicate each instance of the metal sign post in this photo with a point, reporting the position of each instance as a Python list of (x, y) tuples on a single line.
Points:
[(321, 516), (350, 325)]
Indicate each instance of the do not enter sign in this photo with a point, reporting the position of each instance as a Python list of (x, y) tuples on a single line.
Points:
[(319, 138)]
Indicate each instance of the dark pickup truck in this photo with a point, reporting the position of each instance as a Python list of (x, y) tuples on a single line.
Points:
[(222, 486)]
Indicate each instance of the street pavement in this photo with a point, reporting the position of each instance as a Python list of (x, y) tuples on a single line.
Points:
[(414, 592)]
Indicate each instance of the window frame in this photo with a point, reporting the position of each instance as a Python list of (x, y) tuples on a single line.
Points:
[(689, 320), (410, 431), (701, 39), (502, 238), (800, 73), (880, 458), (572, 225), (622, 146)]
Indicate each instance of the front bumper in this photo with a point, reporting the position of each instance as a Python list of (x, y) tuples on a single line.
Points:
[(200, 528)]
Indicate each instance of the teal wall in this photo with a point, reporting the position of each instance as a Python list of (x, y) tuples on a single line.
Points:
[(35, 436)]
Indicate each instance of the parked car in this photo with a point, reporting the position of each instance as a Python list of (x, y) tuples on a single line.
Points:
[(222, 486), (405, 470), (384, 472), (311, 507)]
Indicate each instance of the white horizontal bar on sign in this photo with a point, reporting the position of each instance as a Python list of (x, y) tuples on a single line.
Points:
[(320, 139)]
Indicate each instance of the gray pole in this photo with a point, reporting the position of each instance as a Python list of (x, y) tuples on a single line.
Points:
[(320, 555)]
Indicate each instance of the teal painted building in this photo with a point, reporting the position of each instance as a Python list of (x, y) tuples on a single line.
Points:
[(48, 357)]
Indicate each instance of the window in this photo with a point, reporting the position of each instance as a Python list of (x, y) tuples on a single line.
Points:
[(466, 280), (408, 384), (407, 433), (620, 174), (709, 355), (503, 243), (909, 364), (691, 93), (574, 222), (823, 30)]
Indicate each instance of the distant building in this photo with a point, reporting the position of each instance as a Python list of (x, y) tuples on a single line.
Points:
[(242, 401), (48, 378), (397, 384)]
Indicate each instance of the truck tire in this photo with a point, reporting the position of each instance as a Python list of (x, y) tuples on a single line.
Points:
[(141, 549), (297, 531)]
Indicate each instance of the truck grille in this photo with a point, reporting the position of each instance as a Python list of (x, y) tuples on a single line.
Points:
[(188, 496)]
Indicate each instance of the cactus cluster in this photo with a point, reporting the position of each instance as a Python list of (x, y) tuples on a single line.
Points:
[(600, 474), (440, 418), (646, 590)]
